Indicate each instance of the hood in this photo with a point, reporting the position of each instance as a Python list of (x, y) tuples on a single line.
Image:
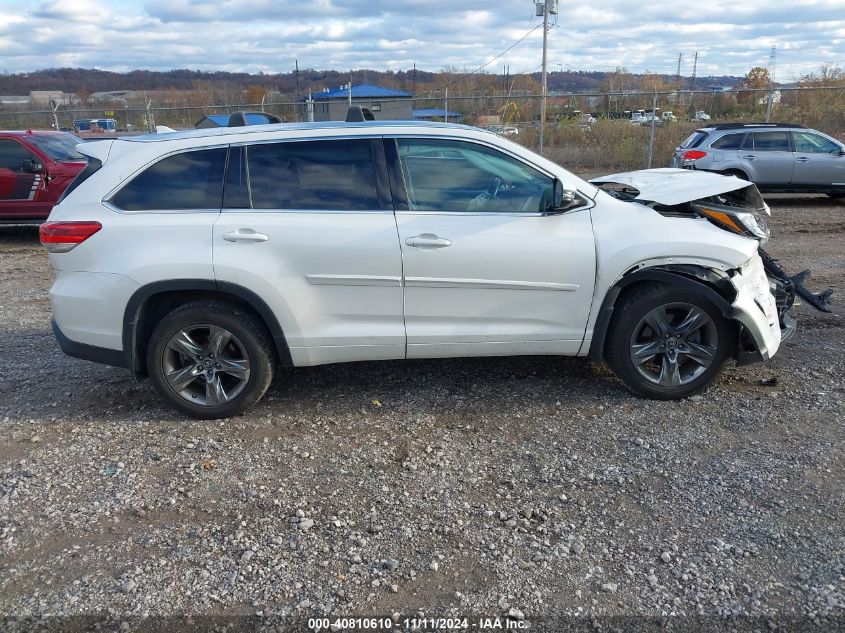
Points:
[(673, 186)]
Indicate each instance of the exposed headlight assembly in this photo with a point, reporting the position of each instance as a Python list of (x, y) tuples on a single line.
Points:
[(749, 222)]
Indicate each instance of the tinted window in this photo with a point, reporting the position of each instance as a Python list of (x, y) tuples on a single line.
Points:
[(313, 175), (254, 118), (694, 140), (459, 176), (191, 180), (729, 141), (771, 141), (813, 143), (12, 153)]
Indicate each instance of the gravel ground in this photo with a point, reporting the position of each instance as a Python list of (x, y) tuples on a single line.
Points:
[(529, 487)]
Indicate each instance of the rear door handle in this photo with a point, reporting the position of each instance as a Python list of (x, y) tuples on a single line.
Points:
[(802, 159), (427, 240), (749, 157), (245, 235)]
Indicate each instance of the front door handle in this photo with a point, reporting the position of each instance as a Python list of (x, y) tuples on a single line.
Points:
[(245, 235), (427, 240), (802, 159)]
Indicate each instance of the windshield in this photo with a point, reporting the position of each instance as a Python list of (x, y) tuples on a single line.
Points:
[(58, 146)]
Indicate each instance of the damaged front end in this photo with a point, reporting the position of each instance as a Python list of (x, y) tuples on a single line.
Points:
[(765, 292)]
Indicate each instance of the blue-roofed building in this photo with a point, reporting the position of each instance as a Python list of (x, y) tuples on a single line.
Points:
[(437, 114), (385, 103)]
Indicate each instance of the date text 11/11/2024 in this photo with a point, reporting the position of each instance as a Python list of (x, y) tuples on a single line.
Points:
[(415, 624)]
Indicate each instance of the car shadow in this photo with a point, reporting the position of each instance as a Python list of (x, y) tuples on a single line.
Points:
[(18, 235)]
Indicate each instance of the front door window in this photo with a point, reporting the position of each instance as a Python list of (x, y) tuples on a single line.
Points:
[(460, 177)]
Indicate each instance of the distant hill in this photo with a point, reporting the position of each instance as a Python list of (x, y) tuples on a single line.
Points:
[(89, 80)]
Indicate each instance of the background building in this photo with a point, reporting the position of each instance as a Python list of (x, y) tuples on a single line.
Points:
[(385, 103)]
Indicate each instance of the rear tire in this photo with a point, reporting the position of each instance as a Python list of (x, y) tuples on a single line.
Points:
[(666, 342), (210, 359), (838, 195)]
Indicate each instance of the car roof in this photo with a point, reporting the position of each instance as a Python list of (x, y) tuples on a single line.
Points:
[(289, 127)]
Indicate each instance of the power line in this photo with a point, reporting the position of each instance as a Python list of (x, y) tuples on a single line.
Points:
[(483, 66)]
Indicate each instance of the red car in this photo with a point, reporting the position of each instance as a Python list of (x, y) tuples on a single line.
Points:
[(35, 169)]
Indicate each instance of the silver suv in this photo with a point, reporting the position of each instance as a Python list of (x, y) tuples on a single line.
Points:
[(776, 157)]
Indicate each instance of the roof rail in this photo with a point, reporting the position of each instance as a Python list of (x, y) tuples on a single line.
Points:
[(741, 126), (356, 114)]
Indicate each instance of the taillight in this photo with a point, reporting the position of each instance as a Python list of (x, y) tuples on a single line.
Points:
[(693, 154), (60, 237)]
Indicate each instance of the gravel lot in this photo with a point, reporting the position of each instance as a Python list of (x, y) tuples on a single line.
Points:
[(532, 486)]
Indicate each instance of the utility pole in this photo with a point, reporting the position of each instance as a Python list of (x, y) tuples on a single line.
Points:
[(651, 133), (692, 88), (678, 78), (772, 59), (349, 92), (298, 96), (546, 7), (446, 107)]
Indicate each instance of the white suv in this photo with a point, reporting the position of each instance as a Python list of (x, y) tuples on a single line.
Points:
[(207, 259)]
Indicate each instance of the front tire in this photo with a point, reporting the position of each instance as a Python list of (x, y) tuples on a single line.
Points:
[(837, 195), (210, 359), (667, 342)]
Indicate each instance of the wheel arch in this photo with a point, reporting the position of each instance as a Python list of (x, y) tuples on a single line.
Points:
[(711, 284), (151, 302), (739, 173)]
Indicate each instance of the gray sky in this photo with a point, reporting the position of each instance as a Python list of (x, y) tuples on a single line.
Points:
[(268, 35)]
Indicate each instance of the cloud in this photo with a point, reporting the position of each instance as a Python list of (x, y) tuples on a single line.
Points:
[(268, 35)]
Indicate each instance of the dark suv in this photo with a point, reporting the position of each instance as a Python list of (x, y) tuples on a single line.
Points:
[(35, 169), (776, 157)]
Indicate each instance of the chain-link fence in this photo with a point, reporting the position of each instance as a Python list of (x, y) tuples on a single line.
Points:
[(587, 131)]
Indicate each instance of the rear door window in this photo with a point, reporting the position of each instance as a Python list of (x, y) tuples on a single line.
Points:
[(333, 175), (181, 182), (771, 141), (729, 141)]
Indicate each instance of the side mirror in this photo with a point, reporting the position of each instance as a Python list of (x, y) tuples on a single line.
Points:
[(30, 166), (563, 199)]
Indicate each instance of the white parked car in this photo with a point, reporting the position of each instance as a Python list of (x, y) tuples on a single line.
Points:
[(207, 259)]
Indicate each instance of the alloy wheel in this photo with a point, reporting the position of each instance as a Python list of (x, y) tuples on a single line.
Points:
[(673, 344), (206, 365)]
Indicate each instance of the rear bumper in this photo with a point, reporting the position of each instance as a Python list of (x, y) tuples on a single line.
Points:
[(102, 355)]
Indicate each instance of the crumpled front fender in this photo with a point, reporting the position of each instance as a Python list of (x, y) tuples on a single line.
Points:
[(755, 307)]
